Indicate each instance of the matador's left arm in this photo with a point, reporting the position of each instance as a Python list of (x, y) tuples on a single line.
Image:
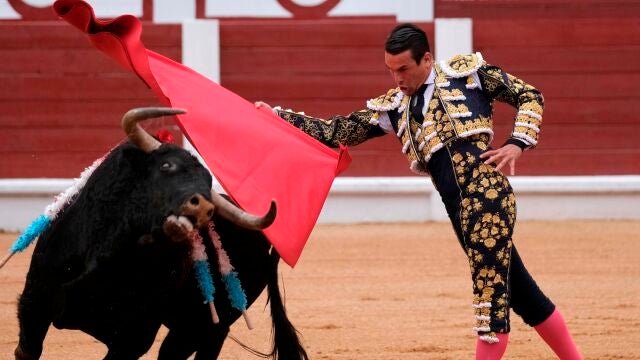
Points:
[(501, 86)]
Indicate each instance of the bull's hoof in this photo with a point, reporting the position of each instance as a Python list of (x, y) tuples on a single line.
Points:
[(22, 355)]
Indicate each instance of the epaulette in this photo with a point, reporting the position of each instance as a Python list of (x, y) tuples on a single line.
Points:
[(389, 101), (462, 65)]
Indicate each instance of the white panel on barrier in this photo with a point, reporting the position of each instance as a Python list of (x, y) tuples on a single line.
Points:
[(245, 8), (201, 47), (173, 12), (414, 10), (201, 52), (113, 8), (395, 199), (355, 8), (38, 3), (309, 2), (404, 10), (453, 37), (102, 8), (7, 12)]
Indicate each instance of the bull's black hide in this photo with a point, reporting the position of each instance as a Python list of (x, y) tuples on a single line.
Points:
[(105, 266)]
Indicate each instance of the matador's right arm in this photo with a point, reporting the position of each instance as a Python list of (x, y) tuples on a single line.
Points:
[(352, 129)]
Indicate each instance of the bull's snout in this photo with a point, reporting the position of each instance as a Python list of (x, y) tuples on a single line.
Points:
[(198, 210)]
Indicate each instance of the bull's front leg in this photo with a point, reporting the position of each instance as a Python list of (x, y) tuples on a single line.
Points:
[(35, 317), (181, 342)]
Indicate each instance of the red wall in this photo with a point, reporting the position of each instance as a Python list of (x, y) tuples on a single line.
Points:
[(584, 67), (567, 10), (61, 100), (319, 67), (583, 55)]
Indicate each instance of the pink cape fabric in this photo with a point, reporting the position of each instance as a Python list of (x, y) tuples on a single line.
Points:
[(255, 155)]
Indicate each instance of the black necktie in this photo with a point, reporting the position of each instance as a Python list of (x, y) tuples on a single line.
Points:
[(417, 103)]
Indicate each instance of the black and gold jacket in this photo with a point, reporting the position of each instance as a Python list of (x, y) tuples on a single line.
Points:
[(462, 105)]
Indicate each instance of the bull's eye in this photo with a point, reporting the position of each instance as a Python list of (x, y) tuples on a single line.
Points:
[(167, 166)]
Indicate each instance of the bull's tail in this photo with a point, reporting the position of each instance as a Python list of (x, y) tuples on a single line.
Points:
[(286, 343)]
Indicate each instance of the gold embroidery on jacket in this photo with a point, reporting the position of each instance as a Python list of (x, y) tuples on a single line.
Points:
[(351, 130), (389, 101), (462, 65)]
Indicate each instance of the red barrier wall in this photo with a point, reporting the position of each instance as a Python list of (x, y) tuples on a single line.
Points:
[(582, 54), (61, 100), (320, 67)]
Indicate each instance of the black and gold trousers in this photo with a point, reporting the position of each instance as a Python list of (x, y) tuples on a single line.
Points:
[(482, 208)]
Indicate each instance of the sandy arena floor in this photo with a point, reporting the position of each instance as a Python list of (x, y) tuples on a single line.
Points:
[(402, 291)]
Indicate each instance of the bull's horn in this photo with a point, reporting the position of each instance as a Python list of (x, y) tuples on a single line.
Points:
[(138, 136), (239, 217)]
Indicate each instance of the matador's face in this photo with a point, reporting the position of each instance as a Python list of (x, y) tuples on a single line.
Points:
[(407, 74)]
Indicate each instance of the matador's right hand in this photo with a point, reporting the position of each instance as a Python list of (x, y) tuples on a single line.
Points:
[(262, 105)]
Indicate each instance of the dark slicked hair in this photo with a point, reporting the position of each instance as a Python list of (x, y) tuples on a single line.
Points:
[(407, 37)]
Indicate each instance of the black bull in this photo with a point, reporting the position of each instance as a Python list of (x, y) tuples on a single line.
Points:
[(113, 266)]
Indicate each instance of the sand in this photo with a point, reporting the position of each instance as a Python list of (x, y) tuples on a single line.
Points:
[(403, 291)]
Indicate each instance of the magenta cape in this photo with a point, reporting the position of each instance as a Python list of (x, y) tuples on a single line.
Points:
[(255, 155)]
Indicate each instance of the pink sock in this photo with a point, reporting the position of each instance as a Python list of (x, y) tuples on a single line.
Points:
[(555, 333), (487, 351)]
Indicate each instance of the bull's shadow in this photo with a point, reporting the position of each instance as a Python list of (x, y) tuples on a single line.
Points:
[(115, 263)]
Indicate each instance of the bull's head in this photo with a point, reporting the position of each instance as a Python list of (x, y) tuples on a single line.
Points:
[(174, 168)]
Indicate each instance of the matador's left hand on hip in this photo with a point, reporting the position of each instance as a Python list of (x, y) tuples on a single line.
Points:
[(506, 155)]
